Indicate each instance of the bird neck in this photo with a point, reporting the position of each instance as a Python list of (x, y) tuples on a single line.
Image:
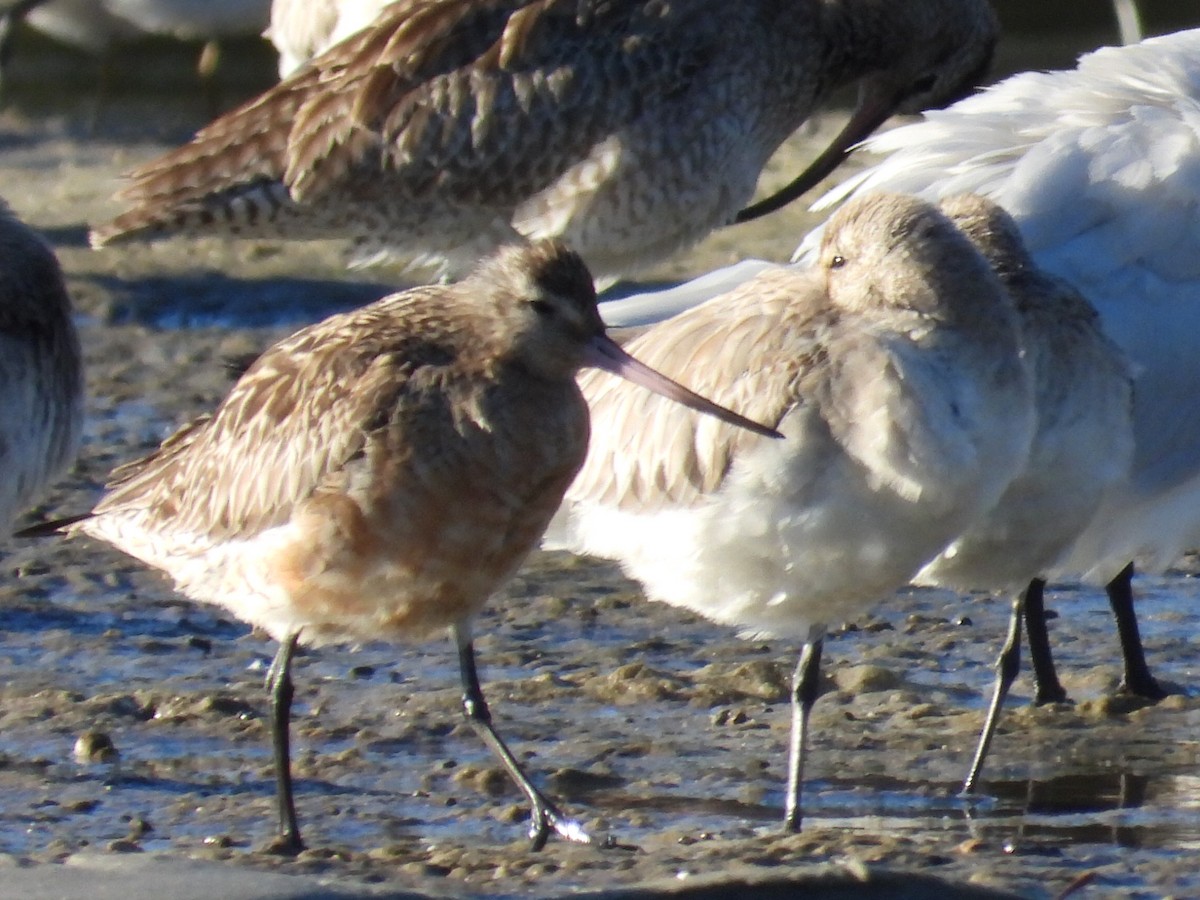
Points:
[(864, 36)]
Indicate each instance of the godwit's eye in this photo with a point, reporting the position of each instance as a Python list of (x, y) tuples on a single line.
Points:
[(837, 262)]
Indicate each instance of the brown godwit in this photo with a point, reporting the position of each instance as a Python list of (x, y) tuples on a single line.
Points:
[(379, 474), (893, 369), (41, 370), (1082, 444), (629, 128)]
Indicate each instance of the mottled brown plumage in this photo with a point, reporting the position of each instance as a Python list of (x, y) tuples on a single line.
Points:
[(630, 128), (381, 473), (376, 420)]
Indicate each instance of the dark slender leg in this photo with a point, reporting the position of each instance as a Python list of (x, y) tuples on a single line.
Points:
[(805, 682), (544, 815), (1008, 663), (279, 685), (206, 69), (1048, 689), (1137, 680)]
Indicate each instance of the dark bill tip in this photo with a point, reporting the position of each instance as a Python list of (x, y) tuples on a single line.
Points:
[(604, 353), (872, 111)]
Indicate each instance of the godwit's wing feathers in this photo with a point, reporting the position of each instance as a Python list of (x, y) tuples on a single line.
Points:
[(412, 42), (244, 150), (170, 449), (752, 353), (254, 147), (431, 80), (305, 409), (425, 83)]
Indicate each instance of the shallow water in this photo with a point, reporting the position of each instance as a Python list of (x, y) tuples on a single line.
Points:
[(650, 725)]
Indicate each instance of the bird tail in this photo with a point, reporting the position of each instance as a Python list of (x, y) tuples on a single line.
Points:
[(255, 209), (52, 527), (228, 177)]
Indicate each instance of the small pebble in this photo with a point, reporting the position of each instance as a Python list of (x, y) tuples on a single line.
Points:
[(204, 645), (139, 828), (865, 679), (95, 747)]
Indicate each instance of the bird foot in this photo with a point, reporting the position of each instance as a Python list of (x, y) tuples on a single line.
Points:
[(1147, 689), (1045, 698), (284, 845), (548, 819)]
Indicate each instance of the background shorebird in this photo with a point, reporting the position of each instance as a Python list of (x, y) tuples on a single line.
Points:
[(893, 371), (100, 27), (381, 473), (41, 370), (1082, 443), (630, 129)]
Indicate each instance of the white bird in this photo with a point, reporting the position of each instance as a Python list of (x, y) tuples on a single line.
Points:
[(1082, 443), (302, 29), (1100, 167), (629, 128), (97, 25), (379, 474), (893, 370), (41, 369)]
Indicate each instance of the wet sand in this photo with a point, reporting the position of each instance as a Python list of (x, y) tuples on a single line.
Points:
[(654, 727)]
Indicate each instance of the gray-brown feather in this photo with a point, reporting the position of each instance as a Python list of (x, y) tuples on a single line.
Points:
[(754, 352)]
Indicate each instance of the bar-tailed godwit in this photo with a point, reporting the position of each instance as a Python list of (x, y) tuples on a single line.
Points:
[(1082, 444), (629, 128), (893, 369), (379, 474)]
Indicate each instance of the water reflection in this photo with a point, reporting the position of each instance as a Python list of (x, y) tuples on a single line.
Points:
[(1121, 809)]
